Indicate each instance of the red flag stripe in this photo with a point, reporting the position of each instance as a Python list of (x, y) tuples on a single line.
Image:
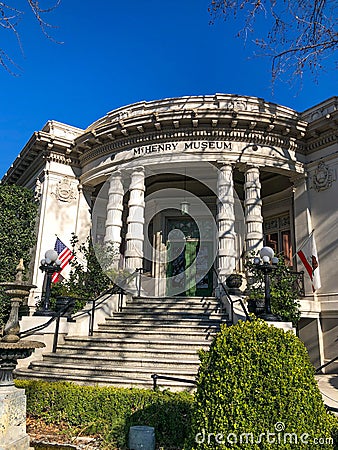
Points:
[(306, 263)]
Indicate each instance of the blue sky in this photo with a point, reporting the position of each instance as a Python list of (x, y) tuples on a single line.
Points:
[(116, 53)]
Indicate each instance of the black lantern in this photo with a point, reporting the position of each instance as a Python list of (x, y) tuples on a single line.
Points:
[(49, 265), (267, 264)]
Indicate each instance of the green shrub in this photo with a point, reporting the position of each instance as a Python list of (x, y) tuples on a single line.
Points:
[(257, 379), (18, 212), (110, 411)]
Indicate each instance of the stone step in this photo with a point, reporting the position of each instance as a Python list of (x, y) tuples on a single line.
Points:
[(116, 371), (151, 335), (175, 299), (159, 318), (160, 309), (103, 343), (95, 380), (129, 351), (174, 302), (187, 333), (159, 327), (91, 362)]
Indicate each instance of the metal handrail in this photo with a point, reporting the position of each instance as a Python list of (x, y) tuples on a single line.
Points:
[(156, 377), (91, 311), (231, 301), (139, 280), (318, 369), (115, 289), (56, 317)]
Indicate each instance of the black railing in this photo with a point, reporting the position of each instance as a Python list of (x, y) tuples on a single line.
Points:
[(115, 289), (318, 369), (56, 317), (139, 281), (156, 377), (230, 300), (299, 283), (90, 311)]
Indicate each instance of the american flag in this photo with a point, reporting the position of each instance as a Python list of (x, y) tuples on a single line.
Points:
[(65, 255)]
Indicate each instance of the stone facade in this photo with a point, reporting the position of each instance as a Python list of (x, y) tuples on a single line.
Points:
[(250, 172)]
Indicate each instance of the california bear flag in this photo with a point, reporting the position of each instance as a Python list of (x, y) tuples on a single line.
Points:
[(309, 257)]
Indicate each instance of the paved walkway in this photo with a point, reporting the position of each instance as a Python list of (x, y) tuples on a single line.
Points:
[(328, 385)]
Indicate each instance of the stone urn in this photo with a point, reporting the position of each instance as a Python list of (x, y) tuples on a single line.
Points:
[(234, 281)]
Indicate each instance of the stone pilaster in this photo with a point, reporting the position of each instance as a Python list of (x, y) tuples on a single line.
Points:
[(135, 220), (226, 222), (253, 210), (114, 210)]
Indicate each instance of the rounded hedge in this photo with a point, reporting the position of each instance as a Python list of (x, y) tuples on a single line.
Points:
[(256, 389)]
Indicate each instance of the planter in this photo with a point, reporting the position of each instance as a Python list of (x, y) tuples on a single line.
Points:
[(256, 306), (234, 281)]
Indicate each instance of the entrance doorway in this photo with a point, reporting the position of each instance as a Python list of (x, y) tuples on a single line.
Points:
[(188, 268)]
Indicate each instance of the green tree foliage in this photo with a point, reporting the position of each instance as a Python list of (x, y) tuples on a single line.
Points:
[(284, 292), (88, 276), (18, 212), (257, 379)]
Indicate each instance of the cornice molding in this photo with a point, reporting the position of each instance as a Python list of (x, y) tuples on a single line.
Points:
[(322, 141), (183, 134)]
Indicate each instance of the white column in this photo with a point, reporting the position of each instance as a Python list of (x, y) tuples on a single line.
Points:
[(114, 210), (226, 222), (135, 221), (253, 210)]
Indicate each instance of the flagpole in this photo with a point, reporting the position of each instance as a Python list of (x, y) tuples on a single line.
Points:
[(303, 244)]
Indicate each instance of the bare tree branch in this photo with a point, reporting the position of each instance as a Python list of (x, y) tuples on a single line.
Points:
[(10, 18), (301, 33)]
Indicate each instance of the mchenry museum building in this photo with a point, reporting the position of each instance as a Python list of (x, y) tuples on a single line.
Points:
[(185, 187)]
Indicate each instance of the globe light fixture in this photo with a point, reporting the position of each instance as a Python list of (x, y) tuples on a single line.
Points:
[(49, 265), (267, 264)]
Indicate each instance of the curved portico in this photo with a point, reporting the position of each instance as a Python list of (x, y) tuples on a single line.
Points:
[(229, 152)]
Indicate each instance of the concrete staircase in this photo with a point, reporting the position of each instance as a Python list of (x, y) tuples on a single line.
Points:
[(150, 335)]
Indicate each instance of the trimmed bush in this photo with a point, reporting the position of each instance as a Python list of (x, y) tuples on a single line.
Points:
[(257, 379), (110, 411)]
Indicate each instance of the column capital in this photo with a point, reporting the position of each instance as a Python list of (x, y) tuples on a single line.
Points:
[(221, 164), (252, 167), (136, 170)]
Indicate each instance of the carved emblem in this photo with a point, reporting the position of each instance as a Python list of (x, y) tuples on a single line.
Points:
[(64, 191), (322, 178), (37, 190)]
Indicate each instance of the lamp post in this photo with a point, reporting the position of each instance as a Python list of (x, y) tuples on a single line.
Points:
[(267, 264), (49, 265)]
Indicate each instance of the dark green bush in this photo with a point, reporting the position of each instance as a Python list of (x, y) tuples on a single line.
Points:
[(257, 379), (18, 212), (110, 411)]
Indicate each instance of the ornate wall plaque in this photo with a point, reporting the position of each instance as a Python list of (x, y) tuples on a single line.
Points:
[(65, 191), (322, 178)]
